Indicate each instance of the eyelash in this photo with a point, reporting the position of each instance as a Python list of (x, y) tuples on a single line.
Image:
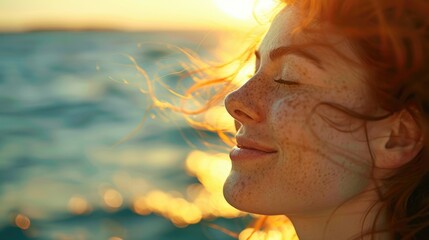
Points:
[(286, 82)]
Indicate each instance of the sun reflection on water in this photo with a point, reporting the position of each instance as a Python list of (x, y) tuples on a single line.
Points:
[(105, 181), (202, 201)]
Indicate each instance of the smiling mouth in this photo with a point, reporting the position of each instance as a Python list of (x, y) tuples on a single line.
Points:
[(248, 150), (260, 149)]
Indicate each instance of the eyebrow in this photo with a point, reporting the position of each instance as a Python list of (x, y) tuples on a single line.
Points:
[(282, 51)]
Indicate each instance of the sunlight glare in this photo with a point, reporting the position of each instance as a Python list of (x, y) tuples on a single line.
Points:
[(244, 9)]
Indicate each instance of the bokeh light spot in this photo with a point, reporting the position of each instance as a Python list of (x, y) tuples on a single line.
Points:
[(22, 221), (78, 205), (112, 198), (140, 207)]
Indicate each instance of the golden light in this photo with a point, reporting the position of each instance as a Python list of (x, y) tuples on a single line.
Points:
[(193, 214), (112, 198), (273, 228), (22, 221), (246, 72), (245, 9), (140, 206), (157, 200), (202, 201), (78, 205), (250, 233), (205, 200), (210, 169), (218, 118), (180, 211)]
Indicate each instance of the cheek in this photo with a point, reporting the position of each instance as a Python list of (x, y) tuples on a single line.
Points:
[(300, 123), (312, 178), (308, 177), (288, 116), (318, 158)]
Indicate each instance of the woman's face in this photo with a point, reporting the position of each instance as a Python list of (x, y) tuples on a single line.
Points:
[(295, 155)]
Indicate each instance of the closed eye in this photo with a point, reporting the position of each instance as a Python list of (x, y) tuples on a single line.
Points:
[(282, 81)]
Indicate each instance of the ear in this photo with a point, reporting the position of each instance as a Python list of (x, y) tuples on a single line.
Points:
[(401, 140)]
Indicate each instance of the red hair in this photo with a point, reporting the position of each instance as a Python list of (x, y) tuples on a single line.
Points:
[(391, 38)]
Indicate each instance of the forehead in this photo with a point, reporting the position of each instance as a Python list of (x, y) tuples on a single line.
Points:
[(283, 32), (280, 30), (341, 64)]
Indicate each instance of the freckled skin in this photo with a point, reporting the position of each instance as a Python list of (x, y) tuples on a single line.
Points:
[(317, 167)]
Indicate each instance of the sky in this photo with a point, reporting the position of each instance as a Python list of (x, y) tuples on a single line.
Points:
[(21, 15)]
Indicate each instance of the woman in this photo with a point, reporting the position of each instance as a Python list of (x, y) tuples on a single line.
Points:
[(332, 129)]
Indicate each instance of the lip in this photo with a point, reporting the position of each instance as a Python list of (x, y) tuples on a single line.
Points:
[(247, 150)]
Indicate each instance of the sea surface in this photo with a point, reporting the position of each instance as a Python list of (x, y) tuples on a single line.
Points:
[(67, 99)]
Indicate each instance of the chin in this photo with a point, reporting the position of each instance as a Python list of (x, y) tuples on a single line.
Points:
[(244, 197), (235, 194)]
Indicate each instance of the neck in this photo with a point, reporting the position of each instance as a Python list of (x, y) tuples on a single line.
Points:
[(348, 221)]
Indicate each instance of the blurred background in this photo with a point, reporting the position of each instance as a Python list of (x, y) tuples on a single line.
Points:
[(82, 154)]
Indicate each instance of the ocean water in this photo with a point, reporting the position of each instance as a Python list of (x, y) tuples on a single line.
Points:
[(66, 99)]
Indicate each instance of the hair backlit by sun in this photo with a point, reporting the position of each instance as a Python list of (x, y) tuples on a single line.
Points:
[(244, 9)]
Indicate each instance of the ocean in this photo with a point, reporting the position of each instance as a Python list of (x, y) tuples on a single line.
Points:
[(67, 99)]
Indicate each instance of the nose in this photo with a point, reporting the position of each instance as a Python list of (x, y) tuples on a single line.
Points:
[(243, 106)]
